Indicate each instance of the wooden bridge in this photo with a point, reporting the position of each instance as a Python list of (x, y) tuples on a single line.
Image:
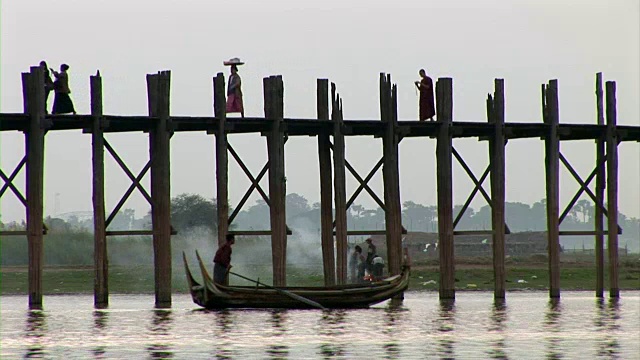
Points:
[(330, 130)]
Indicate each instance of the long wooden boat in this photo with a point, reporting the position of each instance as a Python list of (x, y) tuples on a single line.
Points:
[(216, 296)]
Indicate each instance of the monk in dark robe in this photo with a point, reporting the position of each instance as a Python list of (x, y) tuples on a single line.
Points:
[(427, 105)]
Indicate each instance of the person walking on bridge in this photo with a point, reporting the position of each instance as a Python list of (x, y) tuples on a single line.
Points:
[(427, 106), (62, 103), (234, 90)]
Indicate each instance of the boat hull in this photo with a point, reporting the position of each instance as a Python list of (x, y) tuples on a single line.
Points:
[(215, 296)]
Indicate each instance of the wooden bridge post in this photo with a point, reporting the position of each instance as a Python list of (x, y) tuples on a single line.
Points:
[(339, 187), (612, 189), (326, 209), (497, 159), (159, 141), (444, 96), (552, 154), (600, 181), (33, 84), (101, 259), (390, 170), (274, 111), (222, 161)]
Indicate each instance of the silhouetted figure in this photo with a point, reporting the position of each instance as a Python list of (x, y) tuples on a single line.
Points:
[(62, 103), (378, 267), (222, 261), (356, 265), (48, 83), (371, 253), (234, 90), (427, 105)]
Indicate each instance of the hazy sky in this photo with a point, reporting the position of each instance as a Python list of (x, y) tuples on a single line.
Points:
[(350, 42)]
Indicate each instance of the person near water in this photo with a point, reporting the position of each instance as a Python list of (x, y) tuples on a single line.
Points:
[(62, 103), (356, 265), (222, 261), (371, 253), (378, 267), (427, 105), (48, 83), (234, 90)]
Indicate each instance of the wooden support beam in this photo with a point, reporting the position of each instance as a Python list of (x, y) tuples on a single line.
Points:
[(552, 166), (390, 173), (34, 141), (600, 182), (274, 109), (326, 192), (222, 159), (612, 188), (497, 163), (158, 86), (100, 255), (444, 97), (339, 187)]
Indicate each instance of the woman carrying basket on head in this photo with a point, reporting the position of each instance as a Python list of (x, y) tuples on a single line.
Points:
[(234, 91)]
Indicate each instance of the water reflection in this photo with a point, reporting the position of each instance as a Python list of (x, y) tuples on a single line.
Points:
[(224, 324), (498, 326), (332, 326), (394, 314), (100, 318), (553, 327), (160, 330), (278, 322), (446, 322), (606, 323), (35, 332)]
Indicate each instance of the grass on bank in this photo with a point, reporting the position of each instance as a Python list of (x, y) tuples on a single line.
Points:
[(471, 274)]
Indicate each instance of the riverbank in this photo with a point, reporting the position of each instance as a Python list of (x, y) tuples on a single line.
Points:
[(471, 274)]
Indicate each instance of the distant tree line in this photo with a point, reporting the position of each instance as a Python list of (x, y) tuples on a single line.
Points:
[(69, 241)]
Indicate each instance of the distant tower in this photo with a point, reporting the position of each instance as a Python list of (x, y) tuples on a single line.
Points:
[(56, 205)]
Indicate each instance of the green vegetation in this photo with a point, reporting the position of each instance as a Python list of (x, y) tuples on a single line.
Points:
[(471, 276)]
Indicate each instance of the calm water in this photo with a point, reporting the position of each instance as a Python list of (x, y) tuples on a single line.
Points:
[(529, 326)]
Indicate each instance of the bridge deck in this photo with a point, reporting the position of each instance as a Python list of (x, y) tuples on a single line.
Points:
[(312, 127)]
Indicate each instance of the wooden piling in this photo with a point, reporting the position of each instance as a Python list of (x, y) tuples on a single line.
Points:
[(326, 192), (274, 110), (339, 184), (159, 136), (497, 163), (444, 97), (600, 181), (34, 147), (552, 162), (222, 161), (612, 189), (101, 259), (390, 172)]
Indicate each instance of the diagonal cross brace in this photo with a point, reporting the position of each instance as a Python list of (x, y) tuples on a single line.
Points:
[(363, 183), (136, 182), (255, 184), (584, 186), (478, 187), (9, 181)]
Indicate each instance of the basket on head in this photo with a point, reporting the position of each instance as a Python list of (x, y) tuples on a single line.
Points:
[(233, 61)]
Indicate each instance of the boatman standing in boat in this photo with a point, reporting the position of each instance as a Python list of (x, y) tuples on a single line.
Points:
[(222, 261)]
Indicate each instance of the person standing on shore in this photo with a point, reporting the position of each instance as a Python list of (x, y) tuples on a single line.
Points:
[(62, 103), (234, 90), (427, 105)]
